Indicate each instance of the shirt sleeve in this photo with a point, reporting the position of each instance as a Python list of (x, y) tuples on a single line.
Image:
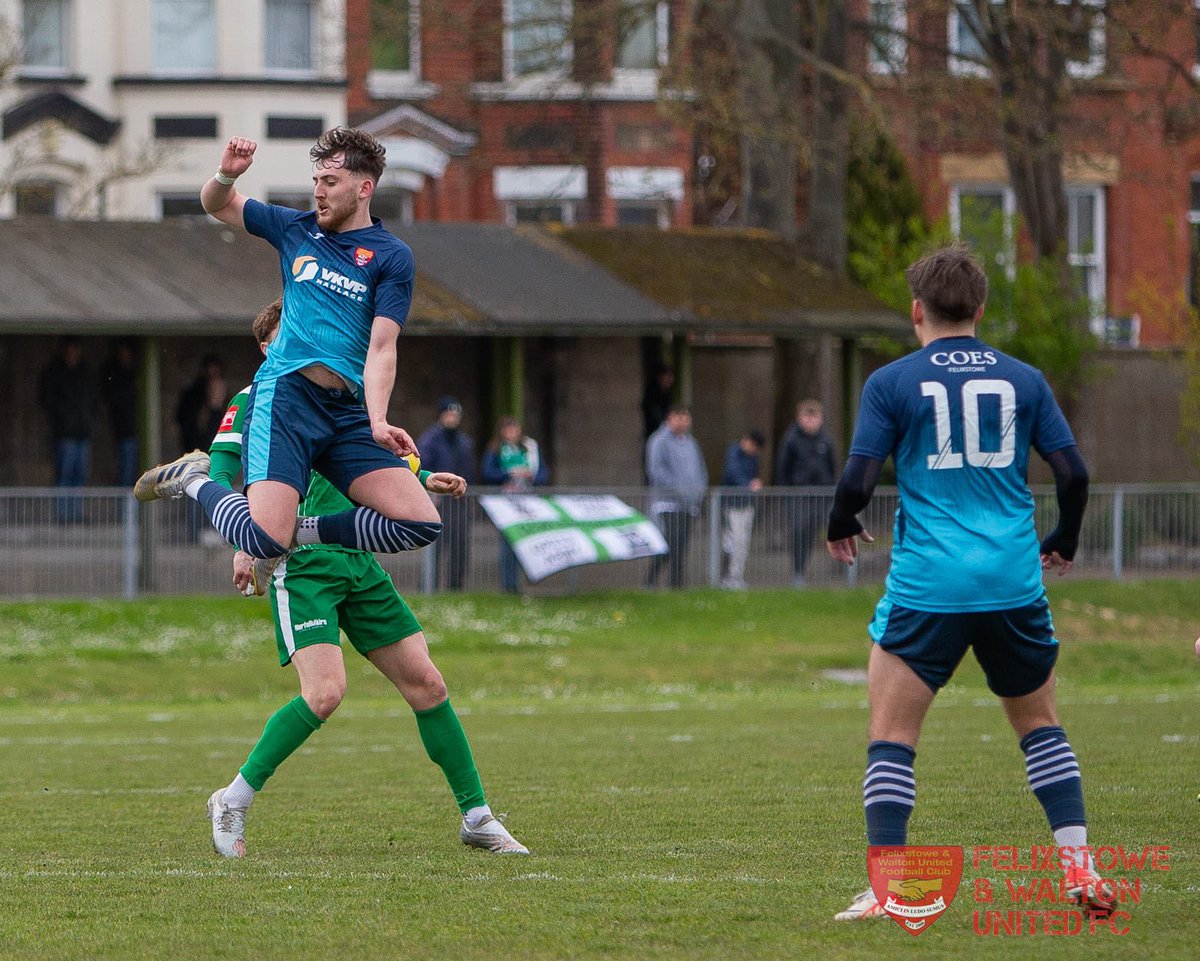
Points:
[(875, 433), (228, 438), (1051, 431), (267, 220), (394, 289)]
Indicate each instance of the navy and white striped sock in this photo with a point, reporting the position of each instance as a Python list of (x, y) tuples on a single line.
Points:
[(1053, 773), (367, 530), (889, 792), (229, 512)]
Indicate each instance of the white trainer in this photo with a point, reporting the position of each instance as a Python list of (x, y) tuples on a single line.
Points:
[(864, 907), (168, 480), (490, 834), (228, 827)]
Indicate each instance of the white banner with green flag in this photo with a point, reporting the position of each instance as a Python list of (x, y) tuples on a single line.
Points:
[(550, 534)]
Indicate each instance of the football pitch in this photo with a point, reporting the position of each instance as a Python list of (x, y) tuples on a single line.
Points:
[(685, 769)]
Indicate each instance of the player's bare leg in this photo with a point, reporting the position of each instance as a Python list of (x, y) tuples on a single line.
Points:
[(1054, 777), (408, 666), (395, 493)]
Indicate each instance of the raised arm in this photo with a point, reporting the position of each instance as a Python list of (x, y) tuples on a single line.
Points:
[(1071, 486), (218, 196)]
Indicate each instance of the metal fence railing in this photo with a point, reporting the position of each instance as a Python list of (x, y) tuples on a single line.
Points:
[(98, 542)]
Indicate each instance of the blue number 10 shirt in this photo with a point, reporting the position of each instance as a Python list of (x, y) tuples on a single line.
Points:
[(958, 417), (334, 286)]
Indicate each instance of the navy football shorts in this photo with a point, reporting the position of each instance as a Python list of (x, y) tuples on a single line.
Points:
[(1016, 648), (294, 426)]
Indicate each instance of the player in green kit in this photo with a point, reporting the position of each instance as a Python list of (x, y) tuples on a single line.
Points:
[(317, 592)]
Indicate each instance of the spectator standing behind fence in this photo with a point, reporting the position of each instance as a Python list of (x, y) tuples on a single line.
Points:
[(118, 385), (657, 398), (806, 459), (741, 470), (514, 461), (678, 481), (198, 415), (67, 394), (445, 448)]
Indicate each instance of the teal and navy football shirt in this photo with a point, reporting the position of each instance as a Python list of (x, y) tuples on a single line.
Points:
[(334, 286), (958, 417)]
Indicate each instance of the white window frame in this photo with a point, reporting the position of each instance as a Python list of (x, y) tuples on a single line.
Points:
[(1196, 38), (662, 208), (564, 186), (167, 69), (662, 41), (59, 198), (956, 64), (1097, 44), (314, 40), (162, 195), (1096, 261), (1009, 206), (385, 83), (568, 209), (568, 48), (64, 46), (895, 42)]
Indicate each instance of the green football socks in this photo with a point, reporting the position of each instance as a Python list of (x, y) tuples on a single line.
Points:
[(286, 730), (446, 744)]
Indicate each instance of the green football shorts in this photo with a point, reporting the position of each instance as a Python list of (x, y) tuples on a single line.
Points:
[(316, 594)]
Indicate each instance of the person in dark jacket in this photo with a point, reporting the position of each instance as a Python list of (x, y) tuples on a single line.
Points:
[(67, 394), (513, 461), (657, 399), (445, 448), (741, 470), (118, 384), (806, 459)]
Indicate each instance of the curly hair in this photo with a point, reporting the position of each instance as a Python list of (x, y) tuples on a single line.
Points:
[(267, 321), (361, 153)]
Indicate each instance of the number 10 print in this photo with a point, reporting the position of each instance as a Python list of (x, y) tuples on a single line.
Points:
[(946, 458)]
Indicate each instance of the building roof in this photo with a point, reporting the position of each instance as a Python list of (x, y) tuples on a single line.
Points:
[(193, 277), (735, 280)]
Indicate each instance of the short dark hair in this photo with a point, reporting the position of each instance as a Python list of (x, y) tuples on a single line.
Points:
[(267, 321), (949, 283), (361, 153), (679, 409), (756, 436)]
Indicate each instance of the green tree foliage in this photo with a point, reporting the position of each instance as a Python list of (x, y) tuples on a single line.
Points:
[(1026, 315)]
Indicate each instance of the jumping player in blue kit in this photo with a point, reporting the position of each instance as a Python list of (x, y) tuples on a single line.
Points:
[(958, 418), (320, 399)]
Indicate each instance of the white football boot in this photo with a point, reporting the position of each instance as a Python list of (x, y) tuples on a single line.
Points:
[(166, 481), (228, 827), (864, 907), (490, 834)]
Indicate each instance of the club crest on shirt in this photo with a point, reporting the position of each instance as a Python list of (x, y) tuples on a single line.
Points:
[(362, 256), (914, 884)]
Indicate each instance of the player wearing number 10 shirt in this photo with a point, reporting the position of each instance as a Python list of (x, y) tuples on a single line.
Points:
[(958, 418)]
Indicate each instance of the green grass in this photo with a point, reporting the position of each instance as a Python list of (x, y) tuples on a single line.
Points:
[(683, 767)]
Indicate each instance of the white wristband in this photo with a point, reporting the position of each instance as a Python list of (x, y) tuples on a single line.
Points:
[(222, 179)]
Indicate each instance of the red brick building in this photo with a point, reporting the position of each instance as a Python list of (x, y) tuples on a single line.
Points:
[(514, 111), (1131, 142)]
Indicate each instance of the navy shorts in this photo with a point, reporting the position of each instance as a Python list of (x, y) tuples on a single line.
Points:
[(293, 426), (1016, 648)]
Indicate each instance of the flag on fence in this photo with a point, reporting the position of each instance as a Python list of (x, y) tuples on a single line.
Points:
[(550, 534)]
